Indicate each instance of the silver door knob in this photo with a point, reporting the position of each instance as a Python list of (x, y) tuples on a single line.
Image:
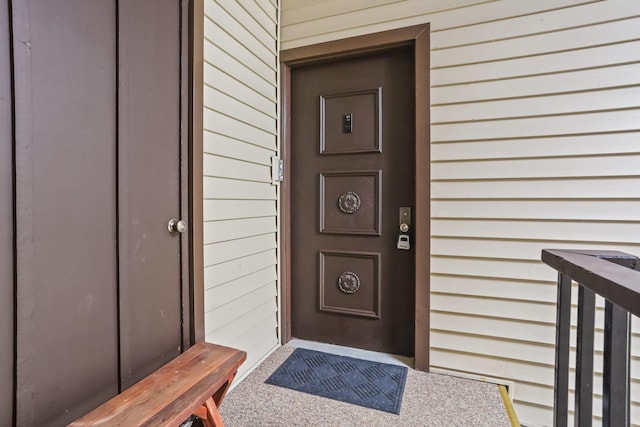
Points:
[(176, 226)]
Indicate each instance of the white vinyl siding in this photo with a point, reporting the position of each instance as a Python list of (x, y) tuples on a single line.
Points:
[(535, 143), (240, 202)]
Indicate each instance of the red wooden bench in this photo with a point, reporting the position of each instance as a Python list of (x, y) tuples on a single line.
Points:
[(194, 383)]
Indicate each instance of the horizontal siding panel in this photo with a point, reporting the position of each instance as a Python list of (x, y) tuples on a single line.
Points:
[(491, 347), (235, 249), (492, 367), (226, 334), (245, 304), (220, 295), (328, 9), (576, 38), (226, 188), (493, 326), (378, 14), (544, 415), (218, 58), (246, 18), (562, 82), (229, 84), (614, 210), (301, 11), (496, 11), (406, 13), (601, 56), (222, 103), (539, 396), (262, 347), (543, 230), (492, 288), (504, 268), (606, 144), (264, 327), (216, 275), (514, 249), (539, 106), (215, 210), (223, 167), (270, 8), (260, 16), (545, 22), (220, 231), (224, 146), (225, 125), (489, 307), (615, 165), (218, 36), (610, 121), (242, 26), (620, 188)]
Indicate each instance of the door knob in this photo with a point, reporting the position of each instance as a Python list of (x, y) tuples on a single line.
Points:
[(176, 226)]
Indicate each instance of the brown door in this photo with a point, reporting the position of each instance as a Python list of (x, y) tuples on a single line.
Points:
[(97, 167), (352, 156), (149, 185)]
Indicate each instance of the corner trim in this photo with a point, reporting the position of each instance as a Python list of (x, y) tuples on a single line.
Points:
[(196, 88)]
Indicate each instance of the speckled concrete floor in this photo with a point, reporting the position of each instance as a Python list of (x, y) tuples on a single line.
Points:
[(429, 400)]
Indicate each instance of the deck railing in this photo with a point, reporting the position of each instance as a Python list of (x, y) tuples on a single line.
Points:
[(616, 277)]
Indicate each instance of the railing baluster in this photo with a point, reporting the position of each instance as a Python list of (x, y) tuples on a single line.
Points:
[(584, 357), (615, 393), (563, 325)]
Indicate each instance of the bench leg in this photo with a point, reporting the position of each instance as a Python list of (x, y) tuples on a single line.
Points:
[(208, 412), (209, 415), (219, 395)]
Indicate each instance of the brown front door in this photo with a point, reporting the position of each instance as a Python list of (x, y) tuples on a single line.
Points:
[(352, 157), (97, 178)]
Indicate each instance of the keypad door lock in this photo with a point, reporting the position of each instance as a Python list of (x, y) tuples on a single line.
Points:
[(405, 225)]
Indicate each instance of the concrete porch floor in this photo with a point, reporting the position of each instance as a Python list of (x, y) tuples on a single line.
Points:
[(429, 399)]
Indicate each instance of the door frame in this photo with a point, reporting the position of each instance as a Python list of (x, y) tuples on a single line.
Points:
[(191, 170), (192, 106), (417, 36)]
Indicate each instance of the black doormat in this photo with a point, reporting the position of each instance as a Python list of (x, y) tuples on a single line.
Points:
[(361, 382)]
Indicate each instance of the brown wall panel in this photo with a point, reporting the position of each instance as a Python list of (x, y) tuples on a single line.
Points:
[(6, 224), (67, 348)]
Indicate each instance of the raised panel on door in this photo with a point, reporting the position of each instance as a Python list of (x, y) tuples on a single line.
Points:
[(353, 156), (6, 224), (65, 143), (149, 185)]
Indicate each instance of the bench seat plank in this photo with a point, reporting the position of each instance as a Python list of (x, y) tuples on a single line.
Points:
[(171, 394)]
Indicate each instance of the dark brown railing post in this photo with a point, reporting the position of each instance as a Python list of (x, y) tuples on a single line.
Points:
[(584, 357), (615, 394), (615, 276), (563, 329)]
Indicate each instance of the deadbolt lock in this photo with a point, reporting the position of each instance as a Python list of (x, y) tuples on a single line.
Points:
[(404, 227), (176, 226)]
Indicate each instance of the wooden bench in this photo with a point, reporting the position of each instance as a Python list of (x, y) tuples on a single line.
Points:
[(193, 383)]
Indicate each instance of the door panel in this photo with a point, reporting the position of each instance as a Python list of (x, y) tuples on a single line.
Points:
[(6, 224), (149, 185), (98, 166), (353, 156), (67, 326)]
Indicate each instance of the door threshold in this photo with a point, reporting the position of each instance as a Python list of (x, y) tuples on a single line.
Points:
[(357, 353)]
